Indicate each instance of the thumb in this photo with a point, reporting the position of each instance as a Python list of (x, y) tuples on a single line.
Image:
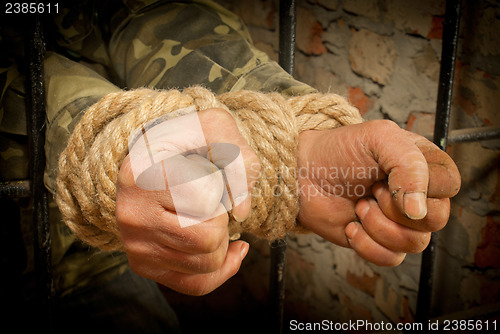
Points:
[(400, 158)]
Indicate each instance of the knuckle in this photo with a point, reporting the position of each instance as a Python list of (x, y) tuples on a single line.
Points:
[(125, 174), (215, 114), (385, 125), (125, 217)]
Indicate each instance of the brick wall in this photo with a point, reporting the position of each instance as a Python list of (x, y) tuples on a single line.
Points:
[(384, 56)]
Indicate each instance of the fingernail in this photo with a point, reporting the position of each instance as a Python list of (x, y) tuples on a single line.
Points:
[(362, 208), (237, 218), (244, 250), (377, 190), (238, 201), (415, 205), (351, 230)]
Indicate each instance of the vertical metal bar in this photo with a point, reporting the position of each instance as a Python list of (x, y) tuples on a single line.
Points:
[(286, 56), (447, 72), (445, 90), (277, 284), (287, 22), (36, 133)]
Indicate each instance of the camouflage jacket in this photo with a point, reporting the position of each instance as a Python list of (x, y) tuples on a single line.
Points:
[(104, 46)]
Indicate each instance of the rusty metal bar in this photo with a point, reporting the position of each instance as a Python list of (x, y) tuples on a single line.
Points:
[(287, 23), (468, 135), (35, 115), (474, 134), (15, 189), (443, 110)]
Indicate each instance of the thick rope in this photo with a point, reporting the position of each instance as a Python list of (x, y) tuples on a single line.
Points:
[(89, 166)]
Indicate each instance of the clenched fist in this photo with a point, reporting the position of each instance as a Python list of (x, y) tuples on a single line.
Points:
[(375, 188), (180, 238)]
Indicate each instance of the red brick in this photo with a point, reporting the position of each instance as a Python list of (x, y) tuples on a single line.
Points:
[(421, 123), (411, 122), (309, 32), (436, 31), (488, 250), (359, 99), (364, 283)]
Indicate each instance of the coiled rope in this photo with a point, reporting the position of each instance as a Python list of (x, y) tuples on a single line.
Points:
[(88, 167)]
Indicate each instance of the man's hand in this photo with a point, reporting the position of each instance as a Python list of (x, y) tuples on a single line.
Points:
[(198, 258), (376, 188)]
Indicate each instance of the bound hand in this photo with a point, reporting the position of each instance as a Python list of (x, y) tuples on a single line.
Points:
[(376, 188), (172, 210)]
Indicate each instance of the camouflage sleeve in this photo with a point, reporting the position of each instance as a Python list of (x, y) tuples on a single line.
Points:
[(71, 88), (13, 149), (177, 45), (158, 45)]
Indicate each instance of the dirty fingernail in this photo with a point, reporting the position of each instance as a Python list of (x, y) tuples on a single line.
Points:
[(415, 205)]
